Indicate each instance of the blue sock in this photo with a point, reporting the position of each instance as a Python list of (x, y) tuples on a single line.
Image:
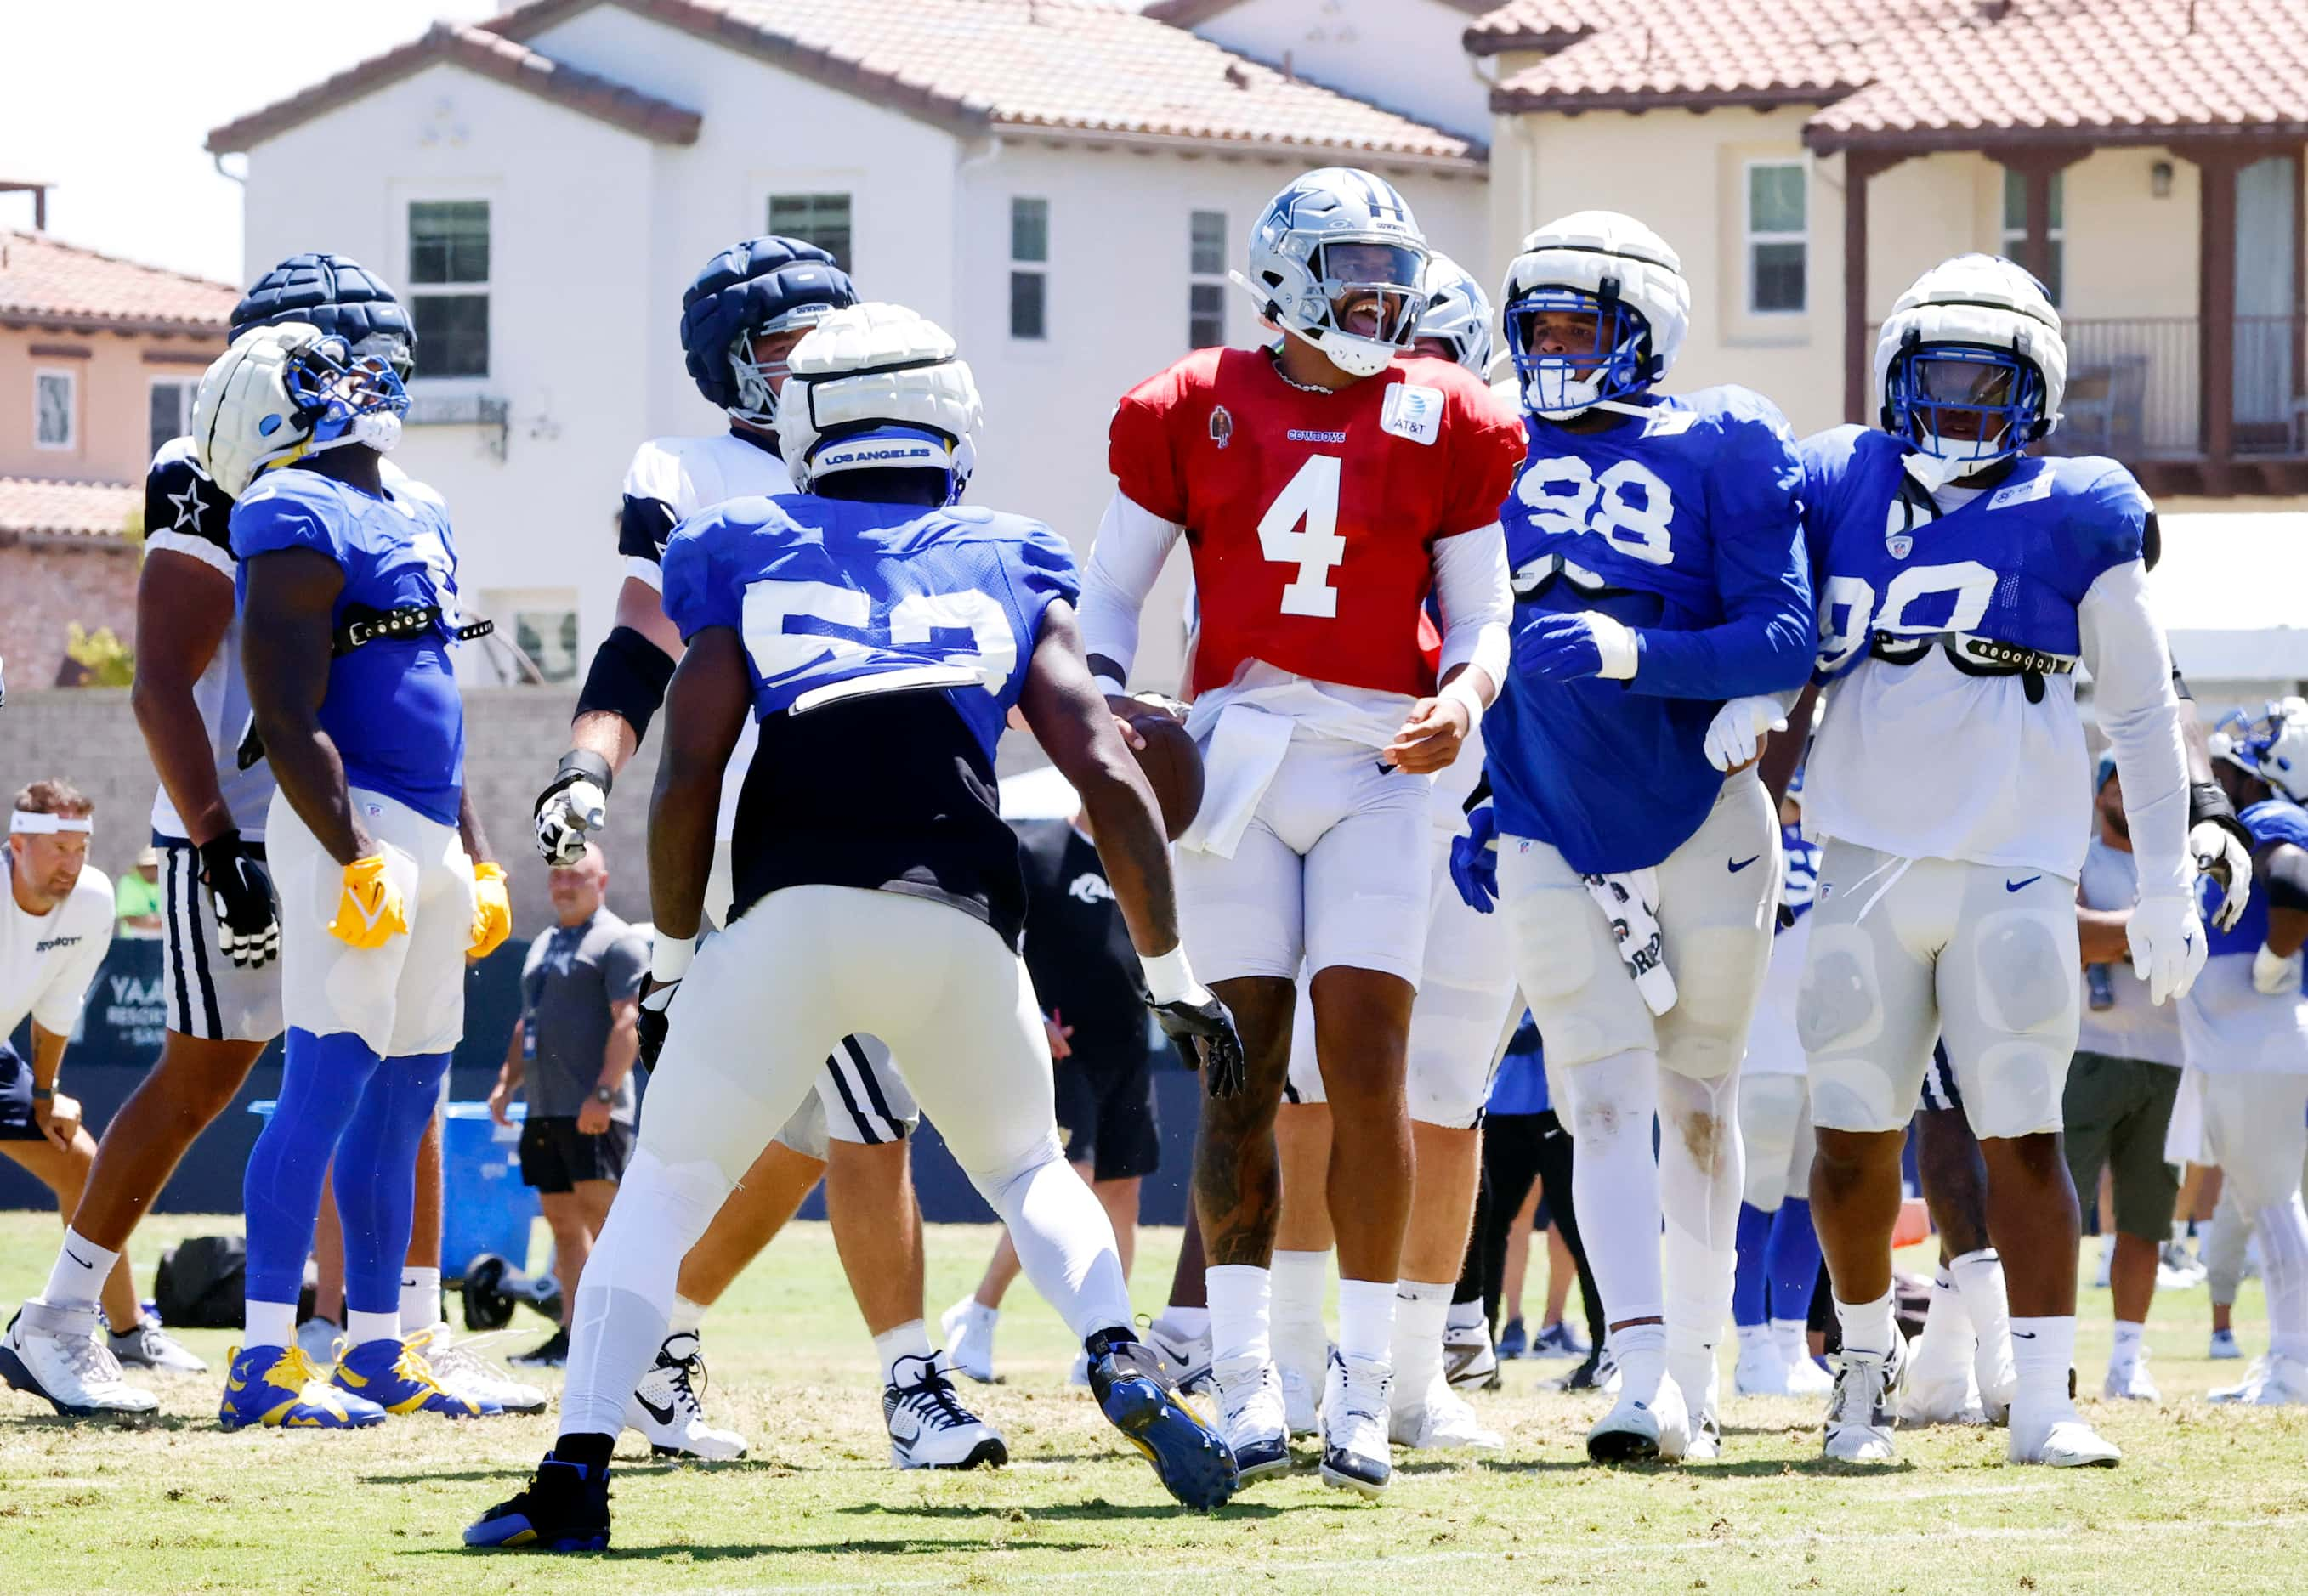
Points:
[(1747, 1286), (376, 1176), (321, 1081), (1793, 1260)]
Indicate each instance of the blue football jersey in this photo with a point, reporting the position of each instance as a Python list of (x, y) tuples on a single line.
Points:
[(2270, 820), (1684, 524), (392, 707), (887, 643), (1799, 887)]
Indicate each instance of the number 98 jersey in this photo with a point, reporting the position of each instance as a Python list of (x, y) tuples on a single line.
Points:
[(1312, 517)]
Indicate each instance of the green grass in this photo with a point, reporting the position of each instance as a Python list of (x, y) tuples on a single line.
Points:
[(2207, 1499)]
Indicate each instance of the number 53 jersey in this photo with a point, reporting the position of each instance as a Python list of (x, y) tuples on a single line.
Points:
[(1950, 632), (886, 644), (1312, 517)]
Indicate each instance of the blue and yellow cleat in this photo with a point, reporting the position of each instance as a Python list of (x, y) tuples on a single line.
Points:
[(564, 1509), (1193, 1460), (394, 1375), (281, 1388)]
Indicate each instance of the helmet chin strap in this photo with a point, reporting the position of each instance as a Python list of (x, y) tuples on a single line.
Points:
[(1573, 390), (1933, 472)]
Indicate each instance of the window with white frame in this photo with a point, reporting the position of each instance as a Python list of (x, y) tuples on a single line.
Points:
[(1779, 238), (171, 407), (2015, 226), (55, 410), (822, 219), (1030, 268), (449, 286), (549, 638), (1206, 265)]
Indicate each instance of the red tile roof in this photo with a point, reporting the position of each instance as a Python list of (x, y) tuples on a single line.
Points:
[(1537, 24), (35, 506), (1193, 13), (45, 282), (1062, 68), (1915, 72), (491, 56)]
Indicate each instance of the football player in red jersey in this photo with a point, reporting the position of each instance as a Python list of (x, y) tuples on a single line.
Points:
[(1325, 488)]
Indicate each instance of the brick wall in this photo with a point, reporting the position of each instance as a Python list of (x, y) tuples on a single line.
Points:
[(45, 587)]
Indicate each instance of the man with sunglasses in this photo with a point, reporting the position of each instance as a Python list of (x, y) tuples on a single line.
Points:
[(1327, 485), (1961, 582), (1661, 600)]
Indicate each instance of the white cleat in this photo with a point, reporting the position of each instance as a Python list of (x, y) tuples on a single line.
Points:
[(1762, 1370), (1444, 1423), (146, 1346), (1185, 1358), (1301, 1359), (929, 1428), (2062, 1441), (54, 1353), (2177, 1269), (1643, 1426), (1706, 1443), (460, 1370), (664, 1410), (1301, 1404), (1250, 1418), (1940, 1394), (2283, 1384), (2131, 1382), (1806, 1377), (968, 1326), (2223, 1347), (1356, 1394), (2246, 1390), (1859, 1414), (1469, 1362)]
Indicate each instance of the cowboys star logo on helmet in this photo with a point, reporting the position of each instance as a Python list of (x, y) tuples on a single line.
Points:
[(1337, 259)]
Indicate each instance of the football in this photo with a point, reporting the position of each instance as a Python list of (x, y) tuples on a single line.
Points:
[(1174, 769)]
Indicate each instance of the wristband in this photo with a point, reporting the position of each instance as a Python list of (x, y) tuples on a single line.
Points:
[(585, 762), (670, 958), (43, 1093), (1169, 977), (1462, 689)]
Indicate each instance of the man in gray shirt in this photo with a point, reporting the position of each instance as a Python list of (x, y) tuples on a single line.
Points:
[(572, 1058)]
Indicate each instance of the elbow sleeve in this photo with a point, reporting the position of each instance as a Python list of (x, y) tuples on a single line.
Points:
[(629, 677)]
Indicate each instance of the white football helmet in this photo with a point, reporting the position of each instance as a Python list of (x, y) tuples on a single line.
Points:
[(2273, 748), (878, 385), (285, 390), (1970, 366), (1339, 236), (1614, 267), (1458, 312)]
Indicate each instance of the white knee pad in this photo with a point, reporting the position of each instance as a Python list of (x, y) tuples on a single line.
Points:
[(1770, 1108)]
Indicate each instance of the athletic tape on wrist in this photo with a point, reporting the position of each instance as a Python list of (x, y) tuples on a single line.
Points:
[(1169, 977), (670, 958)]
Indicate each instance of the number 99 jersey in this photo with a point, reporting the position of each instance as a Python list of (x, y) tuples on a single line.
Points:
[(886, 644), (1674, 524), (1312, 516)]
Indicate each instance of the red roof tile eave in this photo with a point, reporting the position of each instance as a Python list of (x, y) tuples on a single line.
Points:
[(1508, 101), (31, 318), (1473, 163), (1926, 141)]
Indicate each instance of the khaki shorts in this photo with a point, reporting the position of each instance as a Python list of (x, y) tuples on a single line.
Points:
[(2117, 1111), (1906, 950)]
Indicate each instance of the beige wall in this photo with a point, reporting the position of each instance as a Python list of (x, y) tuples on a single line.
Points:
[(113, 379)]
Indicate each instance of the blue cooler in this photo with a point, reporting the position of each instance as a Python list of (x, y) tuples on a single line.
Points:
[(485, 1206)]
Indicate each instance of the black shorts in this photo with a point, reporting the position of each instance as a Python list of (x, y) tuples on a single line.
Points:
[(16, 1097), (1106, 1113), (554, 1155)]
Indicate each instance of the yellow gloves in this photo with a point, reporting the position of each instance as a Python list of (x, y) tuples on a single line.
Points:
[(492, 911), (370, 912)]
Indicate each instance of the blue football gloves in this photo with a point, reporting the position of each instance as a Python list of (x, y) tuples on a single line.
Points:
[(1475, 861), (1556, 647)]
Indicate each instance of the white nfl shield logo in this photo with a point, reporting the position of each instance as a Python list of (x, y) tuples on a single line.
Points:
[(1899, 527), (1900, 544)]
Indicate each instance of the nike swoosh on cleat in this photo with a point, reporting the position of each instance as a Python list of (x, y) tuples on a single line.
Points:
[(2016, 886), (663, 1415), (1739, 864)]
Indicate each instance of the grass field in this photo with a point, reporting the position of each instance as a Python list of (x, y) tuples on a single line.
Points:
[(2207, 1499)]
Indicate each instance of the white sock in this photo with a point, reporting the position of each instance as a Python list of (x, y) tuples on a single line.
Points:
[(1299, 1281), (685, 1316), (1421, 1308), (420, 1299), (268, 1324), (1698, 1305), (1794, 1338), (1467, 1316), (1869, 1329), (1947, 1342), (1979, 1279), (908, 1340), (1242, 1303), (1366, 1320), (2283, 1230), (78, 1279), (1192, 1323), (2179, 1229), (1755, 1336), (2129, 1343), (2042, 1349), (1640, 1353), (361, 1329)]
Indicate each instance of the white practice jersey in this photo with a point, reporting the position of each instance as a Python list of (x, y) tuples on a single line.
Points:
[(186, 513), (670, 480), (46, 961), (2134, 1028)]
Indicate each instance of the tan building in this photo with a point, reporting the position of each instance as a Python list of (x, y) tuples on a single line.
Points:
[(99, 358), (2143, 157)]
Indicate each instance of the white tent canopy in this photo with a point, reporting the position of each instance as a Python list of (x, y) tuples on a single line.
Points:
[(2232, 591)]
